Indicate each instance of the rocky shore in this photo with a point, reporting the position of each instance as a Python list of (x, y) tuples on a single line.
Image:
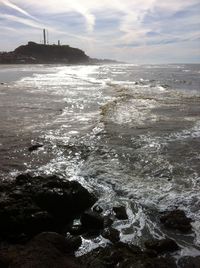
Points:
[(37, 229)]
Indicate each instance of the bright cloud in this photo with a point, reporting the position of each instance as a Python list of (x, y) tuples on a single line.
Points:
[(114, 29)]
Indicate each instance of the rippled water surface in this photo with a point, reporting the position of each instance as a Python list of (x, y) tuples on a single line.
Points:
[(129, 133)]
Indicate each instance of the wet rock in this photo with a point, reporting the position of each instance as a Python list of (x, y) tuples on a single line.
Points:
[(90, 234), (3, 264), (92, 220), (23, 179), (189, 262), (77, 229), (73, 242), (30, 205), (8, 254), (177, 220), (58, 199), (17, 194), (35, 147), (111, 234), (148, 263), (108, 221), (161, 246), (39, 222), (66, 244), (14, 216), (120, 213), (123, 256), (97, 209), (45, 250), (110, 256), (150, 253)]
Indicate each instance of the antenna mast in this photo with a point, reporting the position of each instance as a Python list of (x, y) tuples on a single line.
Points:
[(44, 35), (47, 37)]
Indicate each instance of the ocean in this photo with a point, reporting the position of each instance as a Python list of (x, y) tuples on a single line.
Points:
[(129, 133)]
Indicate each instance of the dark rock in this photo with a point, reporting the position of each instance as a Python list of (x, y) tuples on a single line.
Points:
[(14, 216), (23, 179), (17, 194), (73, 242), (148, 263), (90, 234), (45, 250), (66, 244), (123, 256), (177, 220), (34, 147), (39, 222), (120, 213), (8, 254), (161, 246), (150, 253), (97, 209), (112, 234), (108, 221), (30, 205), (189, 262), (58, 199), (3, 264), (92, 220), (133, 249), (77, 229)]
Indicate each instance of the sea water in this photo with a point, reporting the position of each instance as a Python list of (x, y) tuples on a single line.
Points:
[(129, 133)]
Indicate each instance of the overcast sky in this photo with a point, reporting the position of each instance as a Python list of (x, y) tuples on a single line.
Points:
[(138, 31)]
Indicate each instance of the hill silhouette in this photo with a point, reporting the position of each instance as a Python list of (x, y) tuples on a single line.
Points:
[(39, 53)]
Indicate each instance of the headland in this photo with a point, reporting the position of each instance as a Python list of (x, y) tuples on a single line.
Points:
[(34, 53)]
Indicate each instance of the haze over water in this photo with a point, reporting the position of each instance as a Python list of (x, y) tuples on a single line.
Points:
[(130, 133)]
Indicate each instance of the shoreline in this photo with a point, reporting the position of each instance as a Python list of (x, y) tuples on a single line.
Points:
[(37, 215), (101, 146)]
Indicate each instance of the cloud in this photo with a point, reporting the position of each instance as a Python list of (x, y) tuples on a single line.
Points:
[(108, 27), (17, 8), (23, 21)]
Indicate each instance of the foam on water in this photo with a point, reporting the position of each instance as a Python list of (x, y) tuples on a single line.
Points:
[(129, 133)]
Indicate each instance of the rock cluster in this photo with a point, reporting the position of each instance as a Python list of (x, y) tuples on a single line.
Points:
[(44, 217), (30, 205), (124, 256)]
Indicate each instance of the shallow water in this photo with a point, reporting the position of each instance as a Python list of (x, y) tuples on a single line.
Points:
[(129, 133)]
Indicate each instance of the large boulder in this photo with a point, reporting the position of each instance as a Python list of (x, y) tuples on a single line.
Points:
[(111, 234), (161, 245), (92, 220), (30, 205), (63, 198), (176, 219), (120, 213)]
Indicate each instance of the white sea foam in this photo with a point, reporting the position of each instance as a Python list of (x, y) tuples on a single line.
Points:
[(112, 132)]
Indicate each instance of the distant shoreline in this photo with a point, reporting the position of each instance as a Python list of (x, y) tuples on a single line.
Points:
[(34, 53)]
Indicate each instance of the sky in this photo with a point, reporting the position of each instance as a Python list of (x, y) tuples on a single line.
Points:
[(136, 31)]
